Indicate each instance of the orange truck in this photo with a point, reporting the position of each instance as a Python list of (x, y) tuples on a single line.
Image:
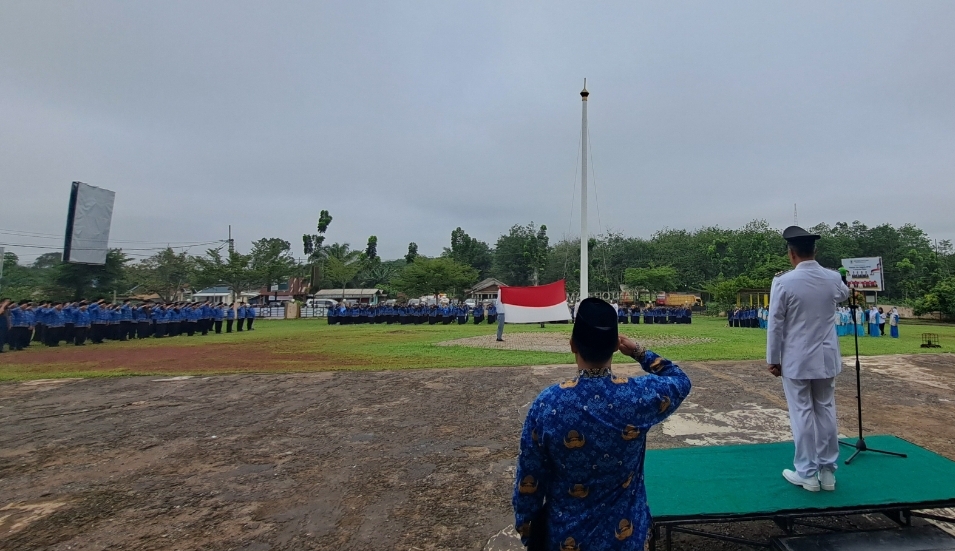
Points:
[(678, 299)]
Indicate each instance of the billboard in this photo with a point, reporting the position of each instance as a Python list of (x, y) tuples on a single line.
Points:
[(87, 224), (864, 274)]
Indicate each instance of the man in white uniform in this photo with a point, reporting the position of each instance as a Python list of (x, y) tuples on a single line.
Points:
[(802, 347)]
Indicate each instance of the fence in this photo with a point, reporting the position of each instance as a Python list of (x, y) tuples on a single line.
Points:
[(273, 312), (313, 312)]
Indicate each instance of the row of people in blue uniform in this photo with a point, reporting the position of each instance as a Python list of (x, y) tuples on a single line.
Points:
[(754, 317), (411, 314), (653, 315), (51, 323)]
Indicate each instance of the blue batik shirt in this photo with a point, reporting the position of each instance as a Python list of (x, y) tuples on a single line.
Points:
[(582, 448)]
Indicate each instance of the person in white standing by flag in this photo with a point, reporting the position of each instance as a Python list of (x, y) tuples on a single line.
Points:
[(803, 349)]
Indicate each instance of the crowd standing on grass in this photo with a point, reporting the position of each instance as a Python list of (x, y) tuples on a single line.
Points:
[(51, 323), (407, 314), (447, 314), (870, 321), (754, 317), (654, 315)]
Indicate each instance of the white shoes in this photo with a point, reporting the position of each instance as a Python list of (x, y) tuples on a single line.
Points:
[(827, 480), (811, 484)]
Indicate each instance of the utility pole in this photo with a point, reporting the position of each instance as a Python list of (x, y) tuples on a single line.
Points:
[(231, 242)]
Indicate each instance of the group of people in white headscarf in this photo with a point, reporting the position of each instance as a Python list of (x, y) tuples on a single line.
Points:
[(871, 319)]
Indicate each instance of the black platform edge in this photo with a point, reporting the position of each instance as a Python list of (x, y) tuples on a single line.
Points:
[(788, 519)]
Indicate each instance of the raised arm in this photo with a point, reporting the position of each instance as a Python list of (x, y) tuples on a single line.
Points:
[(664, 389)]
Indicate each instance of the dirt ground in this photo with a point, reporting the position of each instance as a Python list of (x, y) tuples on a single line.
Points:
[(410, 460)]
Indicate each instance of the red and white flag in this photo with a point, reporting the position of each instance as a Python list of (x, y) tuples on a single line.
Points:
[(535, 304)]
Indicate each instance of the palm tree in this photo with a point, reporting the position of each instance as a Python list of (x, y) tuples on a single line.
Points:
[(341, 251), (342, 264)]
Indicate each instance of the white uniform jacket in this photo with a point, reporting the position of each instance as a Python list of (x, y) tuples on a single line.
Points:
[(801, 335)]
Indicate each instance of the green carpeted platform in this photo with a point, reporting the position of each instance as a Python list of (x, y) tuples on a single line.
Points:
[(746, 480)]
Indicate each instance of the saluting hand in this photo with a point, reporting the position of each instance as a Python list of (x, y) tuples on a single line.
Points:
[(628, 346), (776, 370)]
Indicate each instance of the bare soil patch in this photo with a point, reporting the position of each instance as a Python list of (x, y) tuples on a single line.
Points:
[(557, 342), (417, 459), (208, 358)]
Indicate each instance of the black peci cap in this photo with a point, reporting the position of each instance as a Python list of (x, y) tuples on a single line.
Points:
[(795, 233), (596, 324)]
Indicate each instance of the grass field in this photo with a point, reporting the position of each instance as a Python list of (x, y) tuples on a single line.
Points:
[(310, 345)]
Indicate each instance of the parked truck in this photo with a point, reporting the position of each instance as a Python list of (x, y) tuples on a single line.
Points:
[(679, 299)]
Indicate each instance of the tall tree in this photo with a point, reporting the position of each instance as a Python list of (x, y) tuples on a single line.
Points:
[(234, 270), (470, 251), (536, 252), (563, 262), (656, 279), (342, 265), (433, 276), (521, 255), (342, 251), (47, 260), (22, 282), (380, 274), (79, 281), (165, 273), (371, 250), (313, 244), (412, 252), (940, 299), (315, 250), (271, 260)]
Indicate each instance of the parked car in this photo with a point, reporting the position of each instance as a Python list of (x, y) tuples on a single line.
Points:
[(320, 303)]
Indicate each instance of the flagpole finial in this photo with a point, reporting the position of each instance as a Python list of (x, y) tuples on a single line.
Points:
[(584, 93)]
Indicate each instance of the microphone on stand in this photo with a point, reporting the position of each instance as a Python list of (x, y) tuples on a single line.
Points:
[(843, 272)]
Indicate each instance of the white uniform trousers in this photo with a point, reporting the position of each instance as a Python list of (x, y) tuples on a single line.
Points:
[(812, 415)]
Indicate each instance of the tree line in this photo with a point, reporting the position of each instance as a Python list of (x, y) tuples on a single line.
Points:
[(713, 261)]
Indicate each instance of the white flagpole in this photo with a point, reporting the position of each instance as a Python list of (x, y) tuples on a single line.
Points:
[(584, 236)]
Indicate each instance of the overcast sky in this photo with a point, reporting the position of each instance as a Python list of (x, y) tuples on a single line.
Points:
[(407, 119)]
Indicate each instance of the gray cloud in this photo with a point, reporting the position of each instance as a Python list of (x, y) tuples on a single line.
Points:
[(407, 120)]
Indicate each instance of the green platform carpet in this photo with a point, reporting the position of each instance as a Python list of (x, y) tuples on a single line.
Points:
[(743, 480)]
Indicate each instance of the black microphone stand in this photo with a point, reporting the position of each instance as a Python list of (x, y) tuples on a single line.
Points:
[(860, 445)]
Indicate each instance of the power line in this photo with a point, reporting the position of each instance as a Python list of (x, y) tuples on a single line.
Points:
[(24, 245), (19, 233)]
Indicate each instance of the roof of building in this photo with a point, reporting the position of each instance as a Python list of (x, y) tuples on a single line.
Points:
[(486, 283), (214, 291), (348, 293), (148, 296)]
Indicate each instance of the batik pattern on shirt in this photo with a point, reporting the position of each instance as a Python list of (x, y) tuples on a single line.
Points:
[(582, 448)]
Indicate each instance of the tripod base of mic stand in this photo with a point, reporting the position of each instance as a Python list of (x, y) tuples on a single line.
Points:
[(860, 446)]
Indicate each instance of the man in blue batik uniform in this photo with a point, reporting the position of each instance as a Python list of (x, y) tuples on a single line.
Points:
[(579, 482)]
